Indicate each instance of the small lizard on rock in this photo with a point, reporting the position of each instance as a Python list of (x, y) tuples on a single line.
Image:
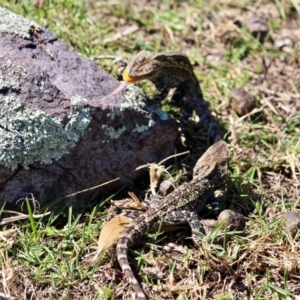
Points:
[(181, 206), (173, 70)]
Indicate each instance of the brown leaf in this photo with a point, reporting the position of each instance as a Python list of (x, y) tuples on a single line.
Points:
[(135, 199), (111, 232), (126, 204)]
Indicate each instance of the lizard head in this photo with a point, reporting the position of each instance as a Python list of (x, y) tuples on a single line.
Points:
[(142, 66), (213, 164)]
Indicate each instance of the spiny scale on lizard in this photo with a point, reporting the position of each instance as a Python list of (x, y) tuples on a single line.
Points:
[(173, 70), (180, 206)]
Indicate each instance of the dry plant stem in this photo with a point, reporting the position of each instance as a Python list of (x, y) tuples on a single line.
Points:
[(92, 188), (19, 216)]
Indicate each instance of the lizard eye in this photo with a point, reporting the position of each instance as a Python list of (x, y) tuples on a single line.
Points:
[(140, 59)]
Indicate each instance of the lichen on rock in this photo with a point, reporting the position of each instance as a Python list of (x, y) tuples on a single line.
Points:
[(69, 144), (16, 25), (27, 136), (136, 99), (13, 85)]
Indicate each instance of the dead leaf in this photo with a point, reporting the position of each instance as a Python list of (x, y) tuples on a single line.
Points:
[(135, 199), (132, 203), (113, 229), (111, 232)]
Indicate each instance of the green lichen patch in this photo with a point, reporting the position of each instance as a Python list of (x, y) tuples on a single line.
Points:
[(13, 70), (136, 99), (140, 128), (27, 137), (158, 111), (115, 133), (13, 85), (16, 25)]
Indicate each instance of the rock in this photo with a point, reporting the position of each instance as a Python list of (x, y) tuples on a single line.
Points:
[(292, 222), (257, 26), (283, 42), (242, 102), (286, 38), (166, 187), (65, 124), (209, 225), (232, 220)]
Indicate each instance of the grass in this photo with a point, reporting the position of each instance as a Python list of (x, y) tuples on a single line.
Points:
[(50, 257)]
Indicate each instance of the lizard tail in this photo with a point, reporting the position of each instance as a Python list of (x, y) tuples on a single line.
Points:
[(124, 242)]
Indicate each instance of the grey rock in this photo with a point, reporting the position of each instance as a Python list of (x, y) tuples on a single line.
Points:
[(257, 26), (65, 124), (232, 220), (292, 222), (242, 102), (284, 42), (166, 186)]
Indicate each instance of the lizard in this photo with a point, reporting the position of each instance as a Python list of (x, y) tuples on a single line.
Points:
[(180, 206), (173, 70)]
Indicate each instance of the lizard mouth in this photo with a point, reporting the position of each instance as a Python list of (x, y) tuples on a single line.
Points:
[(126, 76)]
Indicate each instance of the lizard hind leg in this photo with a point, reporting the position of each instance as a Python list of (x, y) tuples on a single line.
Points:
[(183, 216)]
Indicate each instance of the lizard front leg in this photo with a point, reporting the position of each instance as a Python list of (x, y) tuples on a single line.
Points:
[(178, 96), (186, 113), (163, 91), (195, 97), (179, 99), (183, 216)]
